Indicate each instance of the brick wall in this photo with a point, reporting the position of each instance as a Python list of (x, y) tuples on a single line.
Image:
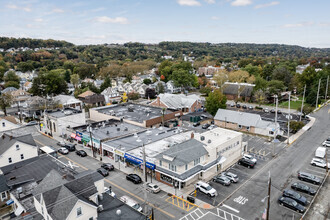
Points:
[(158, 103), (234, 126), (158, 120)]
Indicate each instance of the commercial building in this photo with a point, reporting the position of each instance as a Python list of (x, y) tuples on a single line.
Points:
[(137, 114), (238, 91)]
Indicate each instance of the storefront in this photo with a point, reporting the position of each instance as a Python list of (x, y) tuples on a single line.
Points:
[(138, 162), (108, 151)]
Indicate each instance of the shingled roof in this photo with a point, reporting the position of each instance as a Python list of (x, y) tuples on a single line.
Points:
[(6, 141)]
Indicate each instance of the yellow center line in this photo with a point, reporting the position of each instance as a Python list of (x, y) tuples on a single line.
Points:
[(117, 186)]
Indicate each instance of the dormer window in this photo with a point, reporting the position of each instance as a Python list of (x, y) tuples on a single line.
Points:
[(3, 124), (17, 147)]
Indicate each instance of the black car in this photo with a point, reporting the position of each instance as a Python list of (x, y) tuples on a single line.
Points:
[(295, 196), (221, 179), (244, 106), (290, 203), (70, 147), (134, 178), (103, 171), (303, 188), (272, 111), (206, 126), (108, 166), (246, 162), (81, 153), (196, 124), (309, 178), (279, 111), (238, 105)]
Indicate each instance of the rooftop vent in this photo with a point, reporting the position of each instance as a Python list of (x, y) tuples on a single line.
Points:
[(202, 138), (209, 141), (118, 129), (126, 129), (108, 132)]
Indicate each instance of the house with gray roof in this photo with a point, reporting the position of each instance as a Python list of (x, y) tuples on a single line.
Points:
[(247, 122), (68, 101), (238, 90), (16, 149), (185, 103)]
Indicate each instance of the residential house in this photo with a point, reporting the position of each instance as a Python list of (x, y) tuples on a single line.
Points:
[(88, 80), (20, 97), (8, 123), (27, 85), (16, 149), (235, 91), (111, 95), (171, 88), (247, 122), (57, 121), (4, 189), (208, 71), (98, 82), (34, 106), (185, 103), (71, 88), (67, 101), (8, 90), (90, 98)]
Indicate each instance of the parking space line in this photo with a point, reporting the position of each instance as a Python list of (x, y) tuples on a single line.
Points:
[(291, 210), (231, 208), (318, 172), (267, 154)]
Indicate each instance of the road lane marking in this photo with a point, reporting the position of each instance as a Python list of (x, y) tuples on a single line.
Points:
[(119, 187), (231, 208), (318, 172)]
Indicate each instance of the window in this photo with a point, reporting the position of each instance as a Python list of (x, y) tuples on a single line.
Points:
[(271, 132), (173, 168), (22, 157), (237, 142), (169, 166), (17, 147), (3, 124), (248, 128), (197, 161), (186, 166), (239, 126), (79, 211), (42, 210), (54, 126), (3, 195), (160, 163), (10, 160), (91, 218)]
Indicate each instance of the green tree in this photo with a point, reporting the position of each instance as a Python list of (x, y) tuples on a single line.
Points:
[(85, 70), (25, 66), (74, 79), (11, 80), (147, 81), (214, 101), (253, 70), (67, 75), (133, 96), (49, 83), (267, 71), (183, 78), (205, 90), (275, 87), (281, 73), (68, 65), (260, 84), (105, 84), (260, 97), (160, 88), (5, 101), (296, 126)]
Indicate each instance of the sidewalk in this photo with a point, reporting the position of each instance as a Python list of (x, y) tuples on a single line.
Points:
[(308, 126)]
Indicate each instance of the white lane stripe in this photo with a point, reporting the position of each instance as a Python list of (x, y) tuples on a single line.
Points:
[(228, 207)]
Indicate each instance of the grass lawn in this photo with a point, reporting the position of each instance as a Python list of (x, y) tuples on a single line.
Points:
[(293, 105)]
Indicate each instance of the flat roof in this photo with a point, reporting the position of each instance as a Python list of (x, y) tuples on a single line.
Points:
[(136, 140), (63, 113), (110, 129), (217, 135), (133, 112)]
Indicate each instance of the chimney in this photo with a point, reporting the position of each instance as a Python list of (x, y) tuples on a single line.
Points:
[(158, 101), (192, 135)]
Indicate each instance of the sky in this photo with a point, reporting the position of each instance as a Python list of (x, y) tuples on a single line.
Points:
[(294, 22)]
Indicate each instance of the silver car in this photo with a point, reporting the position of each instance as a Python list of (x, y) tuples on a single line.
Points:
[(153, 188), (231, 176)]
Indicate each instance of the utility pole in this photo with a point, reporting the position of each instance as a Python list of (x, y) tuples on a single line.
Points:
[(268, 200), (275, 132), (145, 178), (326, 89), (19, 112), (326, 163), (90, 136), (302, 105), (318, 90), (289, 119)]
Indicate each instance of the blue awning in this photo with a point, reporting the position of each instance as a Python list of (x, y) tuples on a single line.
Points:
[(137, 161), (9, 202)]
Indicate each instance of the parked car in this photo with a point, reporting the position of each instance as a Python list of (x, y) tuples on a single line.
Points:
[(246, 162), (206, 126), (221, 179), (32, 123), (108, 166), (63, 150), (244, 106), (250, 157), (290, 203), (103, 171), (109, 191), (232, 105), (250, 107), (81, 153), (131, 202), (266, 110), (326, 143), (319, 163), (279, 111), (272, 110), (238, 105), (303, 188), (231, 176), (196, 124), (211, 127), (70, 147), (134, 178), (206, 188), (153, 188), (295, 196), (309, 178), (61, 144)]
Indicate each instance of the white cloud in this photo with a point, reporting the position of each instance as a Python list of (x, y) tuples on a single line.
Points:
[(117, 20), (38, 20), (189, 2), (215, 18), (241, 2), (297, 25), (210, 1), (12, 6), (266, 5), (58, 10), (27, 9)]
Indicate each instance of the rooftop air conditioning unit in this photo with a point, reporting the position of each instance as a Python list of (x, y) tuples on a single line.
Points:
[(202, 138), (209, 141), (100, 197), (126, 129), (118, 129)]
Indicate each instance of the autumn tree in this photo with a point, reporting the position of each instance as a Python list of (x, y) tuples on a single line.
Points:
[(221, 77), (74, 79), (214, 101), (260, 97), (5, 101)]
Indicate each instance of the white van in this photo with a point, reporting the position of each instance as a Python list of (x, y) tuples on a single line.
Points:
[(130, 202), (320, 152)]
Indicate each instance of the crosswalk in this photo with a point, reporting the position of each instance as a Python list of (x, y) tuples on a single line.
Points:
[(206, 214)]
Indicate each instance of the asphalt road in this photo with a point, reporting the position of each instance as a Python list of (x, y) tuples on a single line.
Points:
[(117, 179), (247, 201)]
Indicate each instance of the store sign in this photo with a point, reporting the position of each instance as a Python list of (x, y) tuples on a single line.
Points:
[(119, 153), (73, 135), (78, 136), (138, 161)]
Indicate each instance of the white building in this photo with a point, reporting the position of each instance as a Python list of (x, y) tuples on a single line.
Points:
[(8, 123), (67, 101), (16, 149)]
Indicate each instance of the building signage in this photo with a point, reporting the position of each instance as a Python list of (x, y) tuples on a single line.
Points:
[(73, 135), (78, 136), (119, 153), (138, 161)]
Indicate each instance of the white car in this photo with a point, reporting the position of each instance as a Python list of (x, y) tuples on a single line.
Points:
[(319, 163), (211, 127), (326, 143), (153, 188), (266, 110), (250, 157), (206, 188)]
